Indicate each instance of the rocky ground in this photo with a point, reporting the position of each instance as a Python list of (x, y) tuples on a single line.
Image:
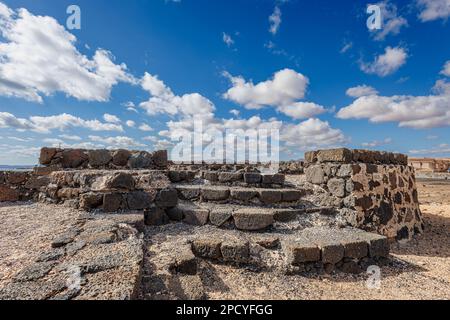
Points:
[(40, 242)]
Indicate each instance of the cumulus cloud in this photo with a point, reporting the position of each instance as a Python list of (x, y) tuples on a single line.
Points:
[(302, 110), (55, 64), (70, 137), (130, 123), (361, 91), (392, 23), (275, 21), (433, 9), (235, 112), (387, 63), (284, 88), (418, 112), (57, 122), (443, 148), (312, 133), (117, 142), (111, 118), (145, 127)]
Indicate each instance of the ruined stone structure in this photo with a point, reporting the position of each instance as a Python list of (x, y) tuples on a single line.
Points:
[(232, 214), (430, 164), (374, 191)]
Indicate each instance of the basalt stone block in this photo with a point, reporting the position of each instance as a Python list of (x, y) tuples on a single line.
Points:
[(311, 156), (167, 198), (139, 200), (121, 180), (278, 178), (235, 251), (90, 201), (252, 178), (189, 193), (332, 252), (291, 195), (335, 155), (140, 160), (215, 194), (302, 251), (160, 158), (230, 176), (112, 202), (37, 182), (355, 249), (286, 215), (99, 158), (175, 214), (68, 193), (184, 262), (207, 248), (243, 194), (196, 216), (268, 241), (17, 178), (120, 157), (47, 155), (155, 216), (379, 247), (336, 186), (211, 176), (8, 194), (253, 219), (345, 170), (220, 216), (73, 158), (270, 196)]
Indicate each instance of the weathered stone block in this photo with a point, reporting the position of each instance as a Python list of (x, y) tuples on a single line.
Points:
[(300, 252), (236, 251), (229, 176), (220, 216), (379, 247), (121, 180), (167, 198), (311, 156), (189, 192), (315, 174), (278, 178), (17, 178), (8, 194), (90, 201), (196, 217), (336, 186), (175, 214), (112, 202), (73, 158), (207, 248), (215, 194), (37, 182), (211, 176), (356, 249), (99, 158), (270, 196), (252, 178), (243, 194), (332, 253), (139, 200), (140, 160), (291, 195), (335, 155), (155, 216), (286, 215), (252, 219), (47, 155), (160, 158), (120, 157)]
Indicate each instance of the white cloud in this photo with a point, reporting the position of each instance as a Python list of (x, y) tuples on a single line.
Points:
[(376, 143), (361, 91), (347, 46), (227, 39), (275, 21), (164, 101), (70, 137), (130, 123), (145, 127), (418, 112), (235, 112), (302, 110), (284, 88), (442, 87), (387, 63), (443, 148), (111, 118), (446, 70), (55, 64), (392, 23), (433, 9), (117, 142), (57, 122), (311, 134)]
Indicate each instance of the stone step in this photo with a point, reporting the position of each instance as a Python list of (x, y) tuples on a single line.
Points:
[(245, 218), (317, 249), (240, 195), (245, 179)]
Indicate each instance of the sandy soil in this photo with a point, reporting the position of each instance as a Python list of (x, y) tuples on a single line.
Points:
[(420, 268)]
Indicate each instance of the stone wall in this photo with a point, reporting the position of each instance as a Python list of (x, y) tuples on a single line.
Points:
[(102, 159), (374, 191), (20, 186)]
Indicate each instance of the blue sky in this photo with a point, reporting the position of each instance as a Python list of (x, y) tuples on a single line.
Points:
[(247, 64)]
